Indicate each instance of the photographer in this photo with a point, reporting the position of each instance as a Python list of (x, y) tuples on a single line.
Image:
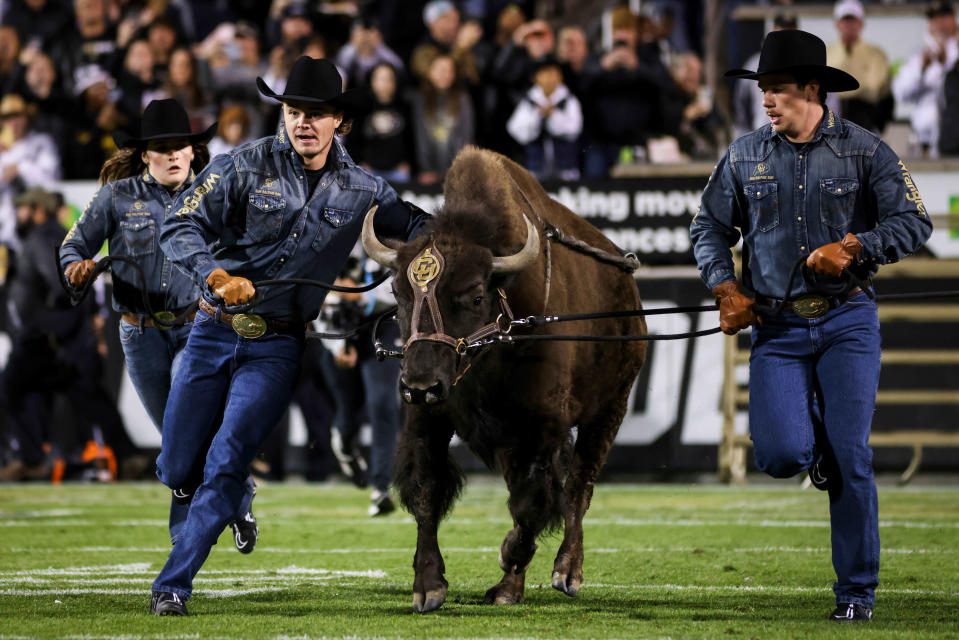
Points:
[(362, 386), (624, 89)]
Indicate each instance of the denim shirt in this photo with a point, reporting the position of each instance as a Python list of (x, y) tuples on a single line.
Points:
[(250, 213), (787, 200), (128, 214)]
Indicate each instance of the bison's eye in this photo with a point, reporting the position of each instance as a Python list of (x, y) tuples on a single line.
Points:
[(477, 301)]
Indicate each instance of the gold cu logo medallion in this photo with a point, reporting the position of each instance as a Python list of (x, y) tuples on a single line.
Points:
[(760, 169), (424, 269), (137, 205)]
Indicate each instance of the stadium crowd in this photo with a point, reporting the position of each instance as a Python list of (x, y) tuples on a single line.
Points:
[(569, 100)]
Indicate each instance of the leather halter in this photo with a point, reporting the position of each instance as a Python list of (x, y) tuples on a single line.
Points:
[(423, 273)]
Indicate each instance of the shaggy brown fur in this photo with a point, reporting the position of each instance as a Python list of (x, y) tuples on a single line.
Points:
[(516, 405)]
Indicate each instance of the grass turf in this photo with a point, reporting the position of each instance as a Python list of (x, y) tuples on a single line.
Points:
[(661, 561)]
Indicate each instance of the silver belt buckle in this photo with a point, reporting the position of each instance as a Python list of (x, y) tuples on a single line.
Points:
[(810, 306)]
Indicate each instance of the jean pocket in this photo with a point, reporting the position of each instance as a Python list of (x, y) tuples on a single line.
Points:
[(763, 201), (837, 201), (264, 217), (127, 331), (139, 237)]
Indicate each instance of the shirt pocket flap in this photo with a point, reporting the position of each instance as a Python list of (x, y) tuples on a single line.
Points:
[(337, 217), (839, 186), (761, 190), (267, 203)]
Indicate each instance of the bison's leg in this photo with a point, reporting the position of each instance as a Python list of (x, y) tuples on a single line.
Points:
[(592, 446), (428, 482), (535, 502)]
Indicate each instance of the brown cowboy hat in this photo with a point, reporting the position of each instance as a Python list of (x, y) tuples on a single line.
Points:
[(163, 120), (793, 51), (317, 82)]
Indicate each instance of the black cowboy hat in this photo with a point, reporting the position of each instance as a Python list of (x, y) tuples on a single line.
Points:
[(792, 51), (163, 120), (317, 82)]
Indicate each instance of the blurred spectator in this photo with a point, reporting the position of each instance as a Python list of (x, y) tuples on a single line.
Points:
[(183, 84), (233, 131), (702, 131), (443, 120), (316, 404), (548, 122), (92, 124), (54, 350), (135, 80), (37, 21), (871, 105), (446, 35), (949, 130), (655, 26), (508, 79), (748, 111), (10, 69), (234, 59), (572, 50), (382, 140), (624, 89), (919, 82), (364, 51), (360, 384), (42, 87), (163, 38), (288, 25), (27, 159), (89, 41)]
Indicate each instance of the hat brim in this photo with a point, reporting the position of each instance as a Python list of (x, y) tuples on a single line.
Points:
[(351, 101), (832, 79), (123, 139)]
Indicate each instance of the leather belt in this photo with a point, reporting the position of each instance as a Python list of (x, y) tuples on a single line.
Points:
[(249, 325), (810, 305), (142, 319)]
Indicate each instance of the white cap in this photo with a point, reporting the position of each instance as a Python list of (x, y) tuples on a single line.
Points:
[(435, 9), (848, 8)]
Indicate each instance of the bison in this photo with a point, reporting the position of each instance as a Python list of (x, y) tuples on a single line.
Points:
[(515, 405)]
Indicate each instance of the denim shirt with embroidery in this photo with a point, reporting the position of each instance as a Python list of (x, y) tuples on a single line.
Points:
[(785, 200), (127, 214), (250, 213)]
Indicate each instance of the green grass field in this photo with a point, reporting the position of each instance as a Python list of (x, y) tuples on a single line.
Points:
[(662, 561)]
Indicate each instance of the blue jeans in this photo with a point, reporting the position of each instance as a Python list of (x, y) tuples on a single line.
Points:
[(230, 392), (152, 358), (812, 389)]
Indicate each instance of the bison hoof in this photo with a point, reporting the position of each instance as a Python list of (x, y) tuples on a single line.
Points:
[(501, 595), (431, 601), (567, 584)]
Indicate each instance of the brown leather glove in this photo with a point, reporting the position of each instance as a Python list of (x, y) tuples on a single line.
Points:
[(79, 272), (834, 258), (735, 308), (233, 290)]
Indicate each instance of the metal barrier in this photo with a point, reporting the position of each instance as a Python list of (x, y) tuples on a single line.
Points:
[(733, 445)]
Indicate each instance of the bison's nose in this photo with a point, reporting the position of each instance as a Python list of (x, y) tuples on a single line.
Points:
[(414, 393)]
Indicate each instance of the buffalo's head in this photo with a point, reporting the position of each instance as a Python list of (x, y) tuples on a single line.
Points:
[(446, 289)]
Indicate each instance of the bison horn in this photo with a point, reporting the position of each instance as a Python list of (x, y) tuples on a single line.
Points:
[(525, 256), (372, 245)]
